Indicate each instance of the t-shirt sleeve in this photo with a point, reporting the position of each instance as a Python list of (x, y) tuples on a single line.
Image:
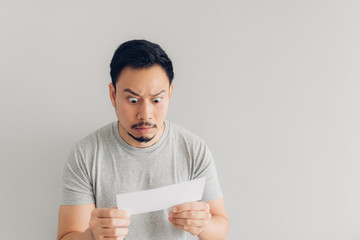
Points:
[(76, 186), (205, 167)]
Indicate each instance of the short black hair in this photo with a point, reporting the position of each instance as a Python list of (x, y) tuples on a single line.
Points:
[(139, 54)]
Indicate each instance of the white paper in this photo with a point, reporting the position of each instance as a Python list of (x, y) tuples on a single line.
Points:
[(161, 198)]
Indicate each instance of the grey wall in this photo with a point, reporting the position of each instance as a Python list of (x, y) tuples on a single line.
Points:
[(272, 86)]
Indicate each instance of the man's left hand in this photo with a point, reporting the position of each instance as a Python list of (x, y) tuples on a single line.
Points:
[(192, 217)]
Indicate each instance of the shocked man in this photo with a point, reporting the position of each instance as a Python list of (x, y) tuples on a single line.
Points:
[(140, 151)]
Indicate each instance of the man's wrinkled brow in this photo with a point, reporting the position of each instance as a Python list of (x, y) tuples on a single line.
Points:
[(136, 94)]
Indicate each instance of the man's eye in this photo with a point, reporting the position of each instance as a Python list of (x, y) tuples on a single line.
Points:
[(156, 100), (133, 100)]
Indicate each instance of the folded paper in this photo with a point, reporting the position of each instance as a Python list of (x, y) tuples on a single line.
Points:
[(161, 198)]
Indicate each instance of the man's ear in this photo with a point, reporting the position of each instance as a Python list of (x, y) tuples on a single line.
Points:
[(112, 94), (171, 88)]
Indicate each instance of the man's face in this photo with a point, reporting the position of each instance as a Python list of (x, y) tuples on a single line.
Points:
[(141, 103)]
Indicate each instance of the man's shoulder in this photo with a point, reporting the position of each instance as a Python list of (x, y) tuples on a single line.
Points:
[(97, 136), (181, 132)]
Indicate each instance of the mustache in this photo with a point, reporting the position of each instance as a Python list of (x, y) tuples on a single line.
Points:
[(143, 123)]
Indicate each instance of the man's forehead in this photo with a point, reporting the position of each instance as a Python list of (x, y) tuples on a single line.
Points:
[(155, 71), (149, 77)]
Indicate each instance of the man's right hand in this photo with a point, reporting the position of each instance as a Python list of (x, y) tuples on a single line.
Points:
[(109, 223)]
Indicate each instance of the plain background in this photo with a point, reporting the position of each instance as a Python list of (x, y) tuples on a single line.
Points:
[(272, 86)]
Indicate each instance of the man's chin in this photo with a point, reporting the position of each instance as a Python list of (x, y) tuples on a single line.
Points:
[(142, 139)]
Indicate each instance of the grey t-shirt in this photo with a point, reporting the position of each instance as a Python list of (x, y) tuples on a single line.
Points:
[(102, 165)]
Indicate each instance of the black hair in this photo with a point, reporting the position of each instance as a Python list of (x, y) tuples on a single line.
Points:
[(139, 54)]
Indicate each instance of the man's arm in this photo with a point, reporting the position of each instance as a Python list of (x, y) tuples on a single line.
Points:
[(85, 222), (195, 218), (219, 225), (74, 221)]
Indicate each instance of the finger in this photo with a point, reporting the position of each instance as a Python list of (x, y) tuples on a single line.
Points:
[(113, 222), (193, 230), (191, 215), (113, 232), (110, 213), (189, 222), (195, 206)]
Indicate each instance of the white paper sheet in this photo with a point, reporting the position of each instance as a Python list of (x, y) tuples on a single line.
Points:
[(161, 198)]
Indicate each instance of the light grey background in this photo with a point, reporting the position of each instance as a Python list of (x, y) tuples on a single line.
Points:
[(272, 86)]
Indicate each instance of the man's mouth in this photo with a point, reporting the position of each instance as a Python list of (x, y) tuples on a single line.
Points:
[(143, 129), (143, 125)]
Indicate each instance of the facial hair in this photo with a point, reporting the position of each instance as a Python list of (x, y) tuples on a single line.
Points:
[(142, 139)]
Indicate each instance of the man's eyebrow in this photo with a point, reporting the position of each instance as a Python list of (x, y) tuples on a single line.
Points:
[(162, 91), (136, 94), (130, 91)]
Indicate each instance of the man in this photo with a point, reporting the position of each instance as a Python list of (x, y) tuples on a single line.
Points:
[(140, 151)]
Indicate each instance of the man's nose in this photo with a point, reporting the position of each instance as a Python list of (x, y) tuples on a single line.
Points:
[(145, 111)]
